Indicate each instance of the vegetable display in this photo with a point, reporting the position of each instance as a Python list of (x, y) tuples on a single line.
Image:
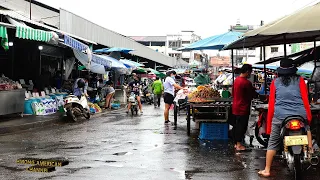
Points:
[(203, 94)]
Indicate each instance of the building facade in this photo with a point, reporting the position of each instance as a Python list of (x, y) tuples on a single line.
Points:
[(170, 44)]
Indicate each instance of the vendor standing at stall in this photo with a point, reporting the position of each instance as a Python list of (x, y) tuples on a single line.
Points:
[(168, 96), (80, 87), (243, 93)]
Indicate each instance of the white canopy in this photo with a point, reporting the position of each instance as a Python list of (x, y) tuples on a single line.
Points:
[(300, 26)]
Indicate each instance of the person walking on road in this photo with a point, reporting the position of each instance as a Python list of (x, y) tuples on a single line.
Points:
[(243, 93), (157, 89), (168, 96)]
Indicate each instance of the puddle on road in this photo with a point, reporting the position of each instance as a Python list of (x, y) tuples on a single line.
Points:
[(73, 170), (12, 168), (107, 161), (122, 153), (73, 147), (110, 161)]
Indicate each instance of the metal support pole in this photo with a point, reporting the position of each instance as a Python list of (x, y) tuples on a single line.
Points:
[(285, 46), (315, 66), (232, 68), (264, 70), (30, 9)]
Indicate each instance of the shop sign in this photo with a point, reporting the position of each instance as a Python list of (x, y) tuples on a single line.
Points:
[(75, 44), (102, 61), (41, 169), (33, 34), (181, 66), (43, 162)]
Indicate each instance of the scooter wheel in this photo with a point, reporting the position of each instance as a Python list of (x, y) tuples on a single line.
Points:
[(71, 115), (87, 115), (263, 141)]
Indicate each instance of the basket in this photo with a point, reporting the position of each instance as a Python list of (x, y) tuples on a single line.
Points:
[(214, 131)]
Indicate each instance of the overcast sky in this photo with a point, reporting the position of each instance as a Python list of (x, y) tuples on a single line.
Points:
[(151, 17)]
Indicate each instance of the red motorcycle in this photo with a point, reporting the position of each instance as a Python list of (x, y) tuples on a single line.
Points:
[(260, 124)]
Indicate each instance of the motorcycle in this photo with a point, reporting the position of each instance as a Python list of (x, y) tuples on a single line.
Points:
[(260, 124), (134, 103), (76, 107), (148, 97), (295, 145)]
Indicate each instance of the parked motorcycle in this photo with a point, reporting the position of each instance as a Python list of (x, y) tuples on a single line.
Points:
[(260, 124), (134, 103), (295, 145), (76, 107)]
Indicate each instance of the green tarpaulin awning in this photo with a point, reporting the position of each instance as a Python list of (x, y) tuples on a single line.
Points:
[(33, 34), (4, 37)]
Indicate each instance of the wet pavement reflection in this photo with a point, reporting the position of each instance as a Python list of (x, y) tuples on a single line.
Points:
[(118, 146)]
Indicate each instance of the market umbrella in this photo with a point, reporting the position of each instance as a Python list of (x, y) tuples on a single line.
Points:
[(300, 26), (157, 73), (114, 49), (216, 42), (131, 63), (140, 70)]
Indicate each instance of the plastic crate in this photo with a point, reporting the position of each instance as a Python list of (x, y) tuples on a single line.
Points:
[(214, 131)]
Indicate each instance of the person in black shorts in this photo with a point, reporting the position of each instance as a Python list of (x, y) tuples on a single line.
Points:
[(135, 87), (168, 96)]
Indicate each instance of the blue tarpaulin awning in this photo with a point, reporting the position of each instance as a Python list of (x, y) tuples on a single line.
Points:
[(300, 70), (216, 42), (131, 64), (114, 62)]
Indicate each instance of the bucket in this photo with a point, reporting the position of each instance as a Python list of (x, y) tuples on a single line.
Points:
[(28, 106)]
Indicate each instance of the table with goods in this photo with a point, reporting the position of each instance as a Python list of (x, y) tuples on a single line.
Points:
[(11, 96), (206, 106)]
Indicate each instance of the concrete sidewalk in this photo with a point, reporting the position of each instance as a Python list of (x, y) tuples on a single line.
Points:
[(12, 124)]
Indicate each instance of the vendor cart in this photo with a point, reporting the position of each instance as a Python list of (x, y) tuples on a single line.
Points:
[(179, 105), (215, 111)]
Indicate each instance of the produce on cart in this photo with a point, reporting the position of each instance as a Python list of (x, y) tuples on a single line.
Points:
[(203, 94)]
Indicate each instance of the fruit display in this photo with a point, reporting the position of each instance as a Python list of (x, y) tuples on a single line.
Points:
[(203, 94), (7, 84)]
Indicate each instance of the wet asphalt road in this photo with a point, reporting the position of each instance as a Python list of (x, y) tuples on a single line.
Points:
[(117, 146)]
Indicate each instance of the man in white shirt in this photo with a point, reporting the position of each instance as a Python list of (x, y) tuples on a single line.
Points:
[(168, 96)]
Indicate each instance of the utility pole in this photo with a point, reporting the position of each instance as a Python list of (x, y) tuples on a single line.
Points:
[(30, 9)]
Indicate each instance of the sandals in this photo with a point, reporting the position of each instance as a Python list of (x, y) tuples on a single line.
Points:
[(262, 173)]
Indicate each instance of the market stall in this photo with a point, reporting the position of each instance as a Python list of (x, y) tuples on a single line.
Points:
[(298, 27)]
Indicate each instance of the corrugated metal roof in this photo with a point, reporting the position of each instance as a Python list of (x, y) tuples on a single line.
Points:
[(149, 38), (20, 17), (74, 24), (40, 11)]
